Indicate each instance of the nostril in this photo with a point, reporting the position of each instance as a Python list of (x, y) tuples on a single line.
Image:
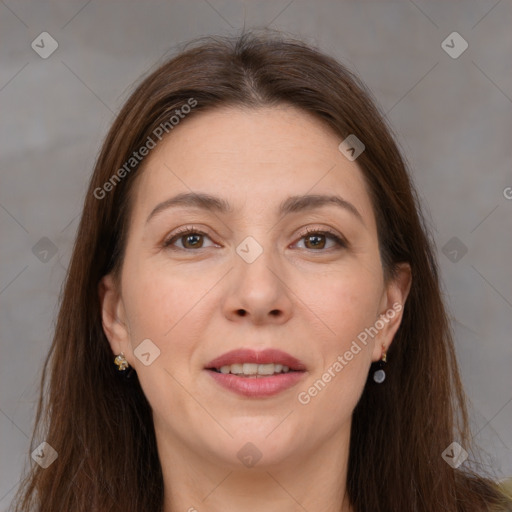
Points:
[(241, 312)]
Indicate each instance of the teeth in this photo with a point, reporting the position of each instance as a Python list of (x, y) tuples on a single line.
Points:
[(266, 369), (236, 368), (254, 369), (250, 369)]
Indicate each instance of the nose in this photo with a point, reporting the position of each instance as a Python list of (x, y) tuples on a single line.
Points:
[(258, 292)]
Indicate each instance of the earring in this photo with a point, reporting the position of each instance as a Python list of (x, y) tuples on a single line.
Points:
[(121, 362), (124, 369), (379, 375)]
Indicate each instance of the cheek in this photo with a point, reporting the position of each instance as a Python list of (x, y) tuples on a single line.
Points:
[(346, 301), (173, 310), (167, 309), (160, 299)]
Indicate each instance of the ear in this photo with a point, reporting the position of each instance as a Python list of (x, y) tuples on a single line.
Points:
[(391, 309), (113, 316)]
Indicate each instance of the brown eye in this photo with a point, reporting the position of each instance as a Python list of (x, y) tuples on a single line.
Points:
[(189, 238), (316, 240), (192, 241)]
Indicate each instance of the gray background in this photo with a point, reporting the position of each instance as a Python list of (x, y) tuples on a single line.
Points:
[(452, 118)]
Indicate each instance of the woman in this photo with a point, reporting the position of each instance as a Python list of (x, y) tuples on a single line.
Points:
[(252, 317)]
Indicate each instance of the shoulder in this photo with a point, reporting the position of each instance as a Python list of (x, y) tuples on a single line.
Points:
[(476, 493), (505, 486)]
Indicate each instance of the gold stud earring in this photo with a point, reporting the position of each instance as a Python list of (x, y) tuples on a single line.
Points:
[(121, 362), (124, 369)]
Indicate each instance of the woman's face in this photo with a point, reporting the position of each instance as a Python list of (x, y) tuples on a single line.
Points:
[(249, 277)]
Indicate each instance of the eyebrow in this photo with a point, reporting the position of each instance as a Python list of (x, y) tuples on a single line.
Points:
[(292, 204)]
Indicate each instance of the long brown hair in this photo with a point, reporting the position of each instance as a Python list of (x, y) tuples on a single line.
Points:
[(102, 427)]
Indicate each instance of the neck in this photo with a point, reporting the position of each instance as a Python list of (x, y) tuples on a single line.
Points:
[(309, 480)]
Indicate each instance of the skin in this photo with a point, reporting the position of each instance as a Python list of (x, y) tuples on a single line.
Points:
[(310, 300)]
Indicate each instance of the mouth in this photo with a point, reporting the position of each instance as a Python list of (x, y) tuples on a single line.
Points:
[(256, 374), (253, 370)]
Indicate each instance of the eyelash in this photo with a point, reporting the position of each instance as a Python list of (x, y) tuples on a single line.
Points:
[(340, 242)]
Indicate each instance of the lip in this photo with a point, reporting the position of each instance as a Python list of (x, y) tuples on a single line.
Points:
[(267, 356), (257, 387)]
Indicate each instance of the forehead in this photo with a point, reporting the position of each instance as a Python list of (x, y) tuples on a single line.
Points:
[(253, 158)]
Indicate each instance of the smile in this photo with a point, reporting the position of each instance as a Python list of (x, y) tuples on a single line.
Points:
[(254, 369)]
